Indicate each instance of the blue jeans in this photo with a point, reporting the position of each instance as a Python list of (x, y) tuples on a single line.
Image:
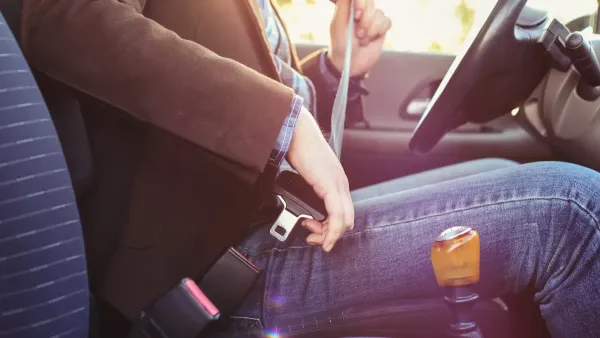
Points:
[(538, 225)]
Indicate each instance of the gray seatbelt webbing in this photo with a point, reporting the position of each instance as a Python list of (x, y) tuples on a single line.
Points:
[(338, 112)]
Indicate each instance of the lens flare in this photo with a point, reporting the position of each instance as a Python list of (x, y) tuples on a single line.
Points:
[(272, 335), (276, 302)]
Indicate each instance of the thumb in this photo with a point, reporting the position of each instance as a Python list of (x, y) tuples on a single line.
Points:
[(342, 10)]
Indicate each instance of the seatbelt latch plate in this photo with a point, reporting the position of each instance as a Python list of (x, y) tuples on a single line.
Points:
[(285, 223)]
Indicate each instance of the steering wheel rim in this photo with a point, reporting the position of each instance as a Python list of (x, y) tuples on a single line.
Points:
[(444, 112)]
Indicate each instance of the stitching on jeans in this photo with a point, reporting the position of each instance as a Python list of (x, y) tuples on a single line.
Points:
[(585, 210), (590, 214), (354, 320)]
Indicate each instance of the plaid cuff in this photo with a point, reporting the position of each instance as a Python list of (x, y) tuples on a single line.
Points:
[(332, 79), (282, 144)]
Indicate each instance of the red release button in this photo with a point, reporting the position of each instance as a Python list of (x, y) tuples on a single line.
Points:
[(201, 297)]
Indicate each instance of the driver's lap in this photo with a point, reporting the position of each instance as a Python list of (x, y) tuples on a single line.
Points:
[(519, 212)]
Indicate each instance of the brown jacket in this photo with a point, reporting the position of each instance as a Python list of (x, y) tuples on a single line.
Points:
[(177, 74), (111, 51)]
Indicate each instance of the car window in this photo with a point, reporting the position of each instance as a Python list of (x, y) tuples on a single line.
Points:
[(418, 25)]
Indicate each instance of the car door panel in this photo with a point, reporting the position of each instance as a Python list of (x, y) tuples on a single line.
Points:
[(378, 149)]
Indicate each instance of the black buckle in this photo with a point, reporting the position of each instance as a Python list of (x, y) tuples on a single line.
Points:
[(186, 310), (181, 313), (229, 280)]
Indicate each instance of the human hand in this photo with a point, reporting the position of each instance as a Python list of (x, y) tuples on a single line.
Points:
[(369, 34), (314, 160)]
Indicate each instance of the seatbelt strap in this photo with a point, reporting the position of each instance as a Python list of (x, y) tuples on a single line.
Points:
[(338, 112)]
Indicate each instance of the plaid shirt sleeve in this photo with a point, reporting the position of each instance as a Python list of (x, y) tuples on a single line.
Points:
[(282, 144)]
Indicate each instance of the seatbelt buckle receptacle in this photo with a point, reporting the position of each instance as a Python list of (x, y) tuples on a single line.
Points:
[(183, 312), (229, 280)]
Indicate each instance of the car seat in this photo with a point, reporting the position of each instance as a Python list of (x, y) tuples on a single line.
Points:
[(43, 273)]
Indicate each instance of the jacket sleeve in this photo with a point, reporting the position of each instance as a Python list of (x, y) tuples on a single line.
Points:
[(109, 50)]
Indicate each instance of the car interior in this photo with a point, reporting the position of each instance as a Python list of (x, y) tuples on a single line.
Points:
[(526, 88)]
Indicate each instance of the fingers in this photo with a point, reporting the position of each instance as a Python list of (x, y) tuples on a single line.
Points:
[(340, 211), (372, 23), (317, 236), (359, 8), (318, 231), (342, 219), (343, 8), (366, 19), (313, 226), (315, 239), (381, 25), (334, 232), (348, 208), (335, 219)]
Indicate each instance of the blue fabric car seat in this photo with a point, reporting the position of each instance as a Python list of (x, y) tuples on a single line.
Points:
[(43, 274)]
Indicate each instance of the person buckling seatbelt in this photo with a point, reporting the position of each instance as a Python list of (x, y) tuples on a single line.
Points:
[(117, 55)]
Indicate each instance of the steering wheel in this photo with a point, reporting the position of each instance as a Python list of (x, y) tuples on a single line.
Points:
[(484, 52)]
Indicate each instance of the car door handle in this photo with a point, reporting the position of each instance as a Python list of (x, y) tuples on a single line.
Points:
[(416, 103), (417, 107)]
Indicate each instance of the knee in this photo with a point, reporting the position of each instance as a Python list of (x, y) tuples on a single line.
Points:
[(563, 174), (577, 185), (496, 163)]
